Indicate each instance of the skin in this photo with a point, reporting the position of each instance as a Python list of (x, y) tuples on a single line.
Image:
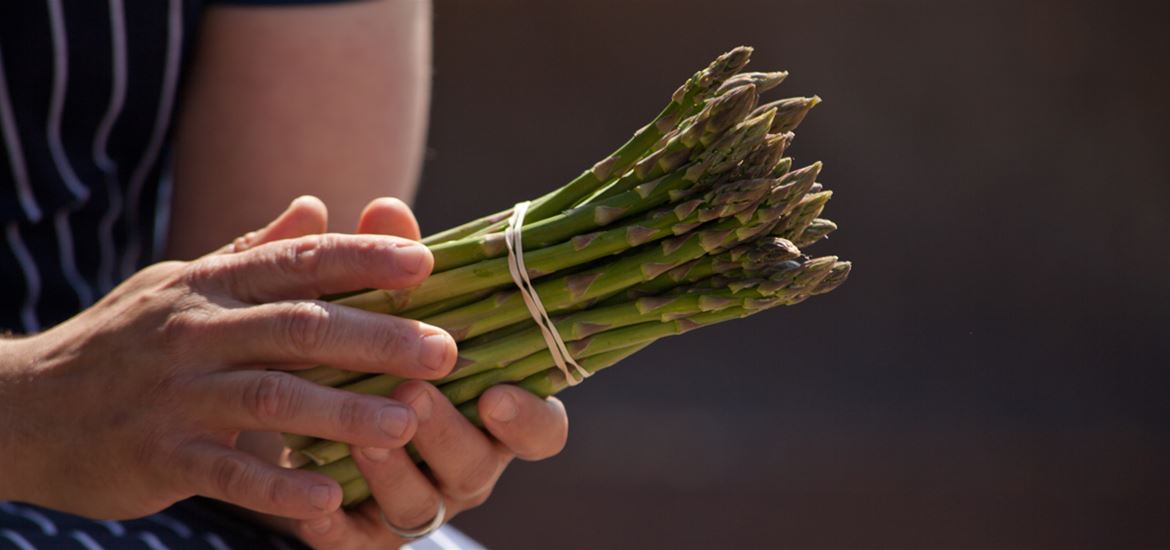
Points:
[(177, 376)]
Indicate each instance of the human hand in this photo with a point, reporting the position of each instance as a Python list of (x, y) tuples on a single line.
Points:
[(138, 401), (463, 462)]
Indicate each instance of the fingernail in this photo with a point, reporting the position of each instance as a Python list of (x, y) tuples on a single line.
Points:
[(421, 405), (394, 420), (433, 351), (321, 497), (319, 525), (505, 408), (411, 258), (375, 454)]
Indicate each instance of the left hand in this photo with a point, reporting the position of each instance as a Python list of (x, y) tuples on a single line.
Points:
[(464, 462)]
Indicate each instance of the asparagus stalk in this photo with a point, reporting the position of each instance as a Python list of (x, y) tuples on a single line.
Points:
[(664, 187), (721, 201), (762, 81), (748, 257), (800, 218), (661, 316), (353, 486), (817, 230), (499, 353), (684, 100), (820, 276), (327, 376), (677, 315), (689, 140), (726, 152), (610, 277), (790, 112)]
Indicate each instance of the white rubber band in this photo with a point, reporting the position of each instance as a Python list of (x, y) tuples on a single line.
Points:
[(552, 338)]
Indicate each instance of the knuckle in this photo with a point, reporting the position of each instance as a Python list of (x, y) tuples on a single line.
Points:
[(307, 326), (303, 255), (229, 475), (389, 340), (278, 493), (206, 269), (188, 321), (271, 396), (354, 415)]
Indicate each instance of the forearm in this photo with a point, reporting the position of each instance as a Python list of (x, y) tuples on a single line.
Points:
[(329, 101), (15, 442)]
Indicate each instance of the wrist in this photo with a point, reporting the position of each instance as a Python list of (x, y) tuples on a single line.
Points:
[(17, 451)]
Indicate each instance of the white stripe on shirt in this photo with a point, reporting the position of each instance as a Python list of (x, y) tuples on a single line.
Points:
[(85, 540), (57, 101), (152, 541), (61, 159), (171, 523), (115, 528), (69, 260), (20, 542), (28, 202), (32, 278), (161, 124), (101, 140), (47, 526)]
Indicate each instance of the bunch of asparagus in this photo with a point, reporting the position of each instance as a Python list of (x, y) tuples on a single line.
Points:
[(698, 219)]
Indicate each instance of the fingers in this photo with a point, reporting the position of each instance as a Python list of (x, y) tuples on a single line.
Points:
[(403, 493), (389, 216), (341, 530), (304, 332), (531, 427), (315, 265), (280, 402), (241, 479), (306, 215), (464, 461)]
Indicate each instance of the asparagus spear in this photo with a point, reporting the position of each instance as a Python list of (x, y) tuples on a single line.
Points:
[(613, 276), (829, 273), (800, 218), (747, 257), (664, 188), (327, 376), (353, 486), (661, 316), (677, 315), (817, 230), (684, 100), (495, 354), (726, 152), (762, 81), (790, 112), (721, 201), (782, 167)]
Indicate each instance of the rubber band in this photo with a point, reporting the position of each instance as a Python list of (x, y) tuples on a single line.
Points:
[(552, 338)]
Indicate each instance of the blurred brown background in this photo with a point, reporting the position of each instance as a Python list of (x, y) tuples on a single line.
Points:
[(994, 375)]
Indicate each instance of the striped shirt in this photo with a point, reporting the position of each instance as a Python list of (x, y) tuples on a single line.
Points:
[(88, 90)]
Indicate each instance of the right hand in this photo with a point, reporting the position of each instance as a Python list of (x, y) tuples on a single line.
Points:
[(138, 401)]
